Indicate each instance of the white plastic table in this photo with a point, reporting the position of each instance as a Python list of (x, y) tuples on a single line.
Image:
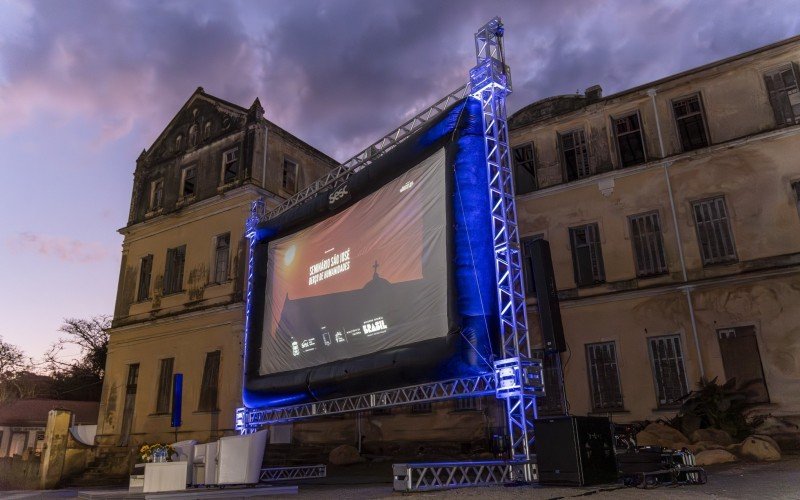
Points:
[(165, 476)]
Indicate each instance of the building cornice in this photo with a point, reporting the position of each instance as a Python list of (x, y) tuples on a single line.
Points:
[(176, 318)]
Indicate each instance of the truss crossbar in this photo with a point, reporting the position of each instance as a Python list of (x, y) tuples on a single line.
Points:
[(272, 474), (339, 175), (448, 475), (248, 419)]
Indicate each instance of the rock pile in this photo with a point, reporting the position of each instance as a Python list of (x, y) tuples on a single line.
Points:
[(711, 446)]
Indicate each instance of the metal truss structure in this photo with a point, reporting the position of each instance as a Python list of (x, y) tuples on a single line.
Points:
[(340, 174), (491, 85), (480, 385), (447, 475), (273, 474), (517, 377)]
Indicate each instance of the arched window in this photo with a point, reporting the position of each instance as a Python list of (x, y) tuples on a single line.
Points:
[(193, 135), (207, 130), (178, 142)]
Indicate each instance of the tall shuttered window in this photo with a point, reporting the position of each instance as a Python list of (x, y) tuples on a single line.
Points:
[(575, 154), (289, 180), (173, 272), (222, 248), (524, 169), (666, 357), (209, 389), (145, 271), (230, 166), (165, 386), (630, 142), (784, 95), (648, 244), (690, 121), (587, 255), (604, 376), (714, 231)]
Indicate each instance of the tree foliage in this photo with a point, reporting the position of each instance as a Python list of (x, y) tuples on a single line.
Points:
[(713, 405), (16, 379), (79, 376)]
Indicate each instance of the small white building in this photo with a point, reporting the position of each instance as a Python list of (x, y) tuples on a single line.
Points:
[(23, 421)]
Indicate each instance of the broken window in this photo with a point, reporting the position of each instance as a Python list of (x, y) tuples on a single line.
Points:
[(714, 231), (552, 401), (165, 386), (289, 182), (467, 404), (156, 194), (524, 169), (230, 166), (691, 122), (209, 387), (188, 176), (666, 358), (145, 271), (527, 263), (630, 142), (421, 408), (221, 253), (783, 94), (173, 272), (604, 376), (648, 244), (587, 255), (575, 154)]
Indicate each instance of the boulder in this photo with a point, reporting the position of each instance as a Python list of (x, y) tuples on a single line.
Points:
[(759, 450), (783, 430), (710, 445), (768, 439), (711, 457), (712, 435), (666, 433), (644, 438), (344, 455)]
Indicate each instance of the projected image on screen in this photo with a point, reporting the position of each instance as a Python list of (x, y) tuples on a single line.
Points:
[(370, 278)]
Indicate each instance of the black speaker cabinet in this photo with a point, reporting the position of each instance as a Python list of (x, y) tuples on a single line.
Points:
[(546, 296), (576, 451)]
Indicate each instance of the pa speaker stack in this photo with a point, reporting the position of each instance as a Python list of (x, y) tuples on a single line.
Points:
[(546, 296), (575, 451)]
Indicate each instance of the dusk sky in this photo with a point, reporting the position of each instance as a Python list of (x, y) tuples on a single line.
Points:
[(85, 86)]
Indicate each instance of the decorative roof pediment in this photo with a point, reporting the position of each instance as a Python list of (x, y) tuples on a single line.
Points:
[(202, 119)]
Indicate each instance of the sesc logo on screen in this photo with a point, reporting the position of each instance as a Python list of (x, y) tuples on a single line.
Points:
[(338, 197)]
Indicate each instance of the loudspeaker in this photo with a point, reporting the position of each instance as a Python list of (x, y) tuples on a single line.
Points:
[(576, 451), (546, 296)]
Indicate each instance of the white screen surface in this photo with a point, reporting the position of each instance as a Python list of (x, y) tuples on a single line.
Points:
[(369, 278)]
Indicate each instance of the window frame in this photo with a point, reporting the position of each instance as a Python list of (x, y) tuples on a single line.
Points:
[(184, 175), (205, 399), (216, 260), (660, 240), (594, 247), (563, 154), (614, 119), (702, 113), (164, 388), (594, 404), (225, 162), (683, 380), (518, 166), (156, 186), (723, 260), (795, 187), (178, 279), (292, 189), (771, 73), (142, 290)]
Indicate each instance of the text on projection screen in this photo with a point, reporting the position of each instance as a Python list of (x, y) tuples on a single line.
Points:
[(369, 278)]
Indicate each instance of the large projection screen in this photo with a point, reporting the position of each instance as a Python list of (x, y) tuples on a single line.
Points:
[(371, 277)]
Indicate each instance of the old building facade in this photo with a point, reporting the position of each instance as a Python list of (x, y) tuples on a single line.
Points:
[(673, 219), (180, 303)]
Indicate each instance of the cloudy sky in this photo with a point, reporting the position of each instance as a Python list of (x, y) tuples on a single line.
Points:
[(84, 86)]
